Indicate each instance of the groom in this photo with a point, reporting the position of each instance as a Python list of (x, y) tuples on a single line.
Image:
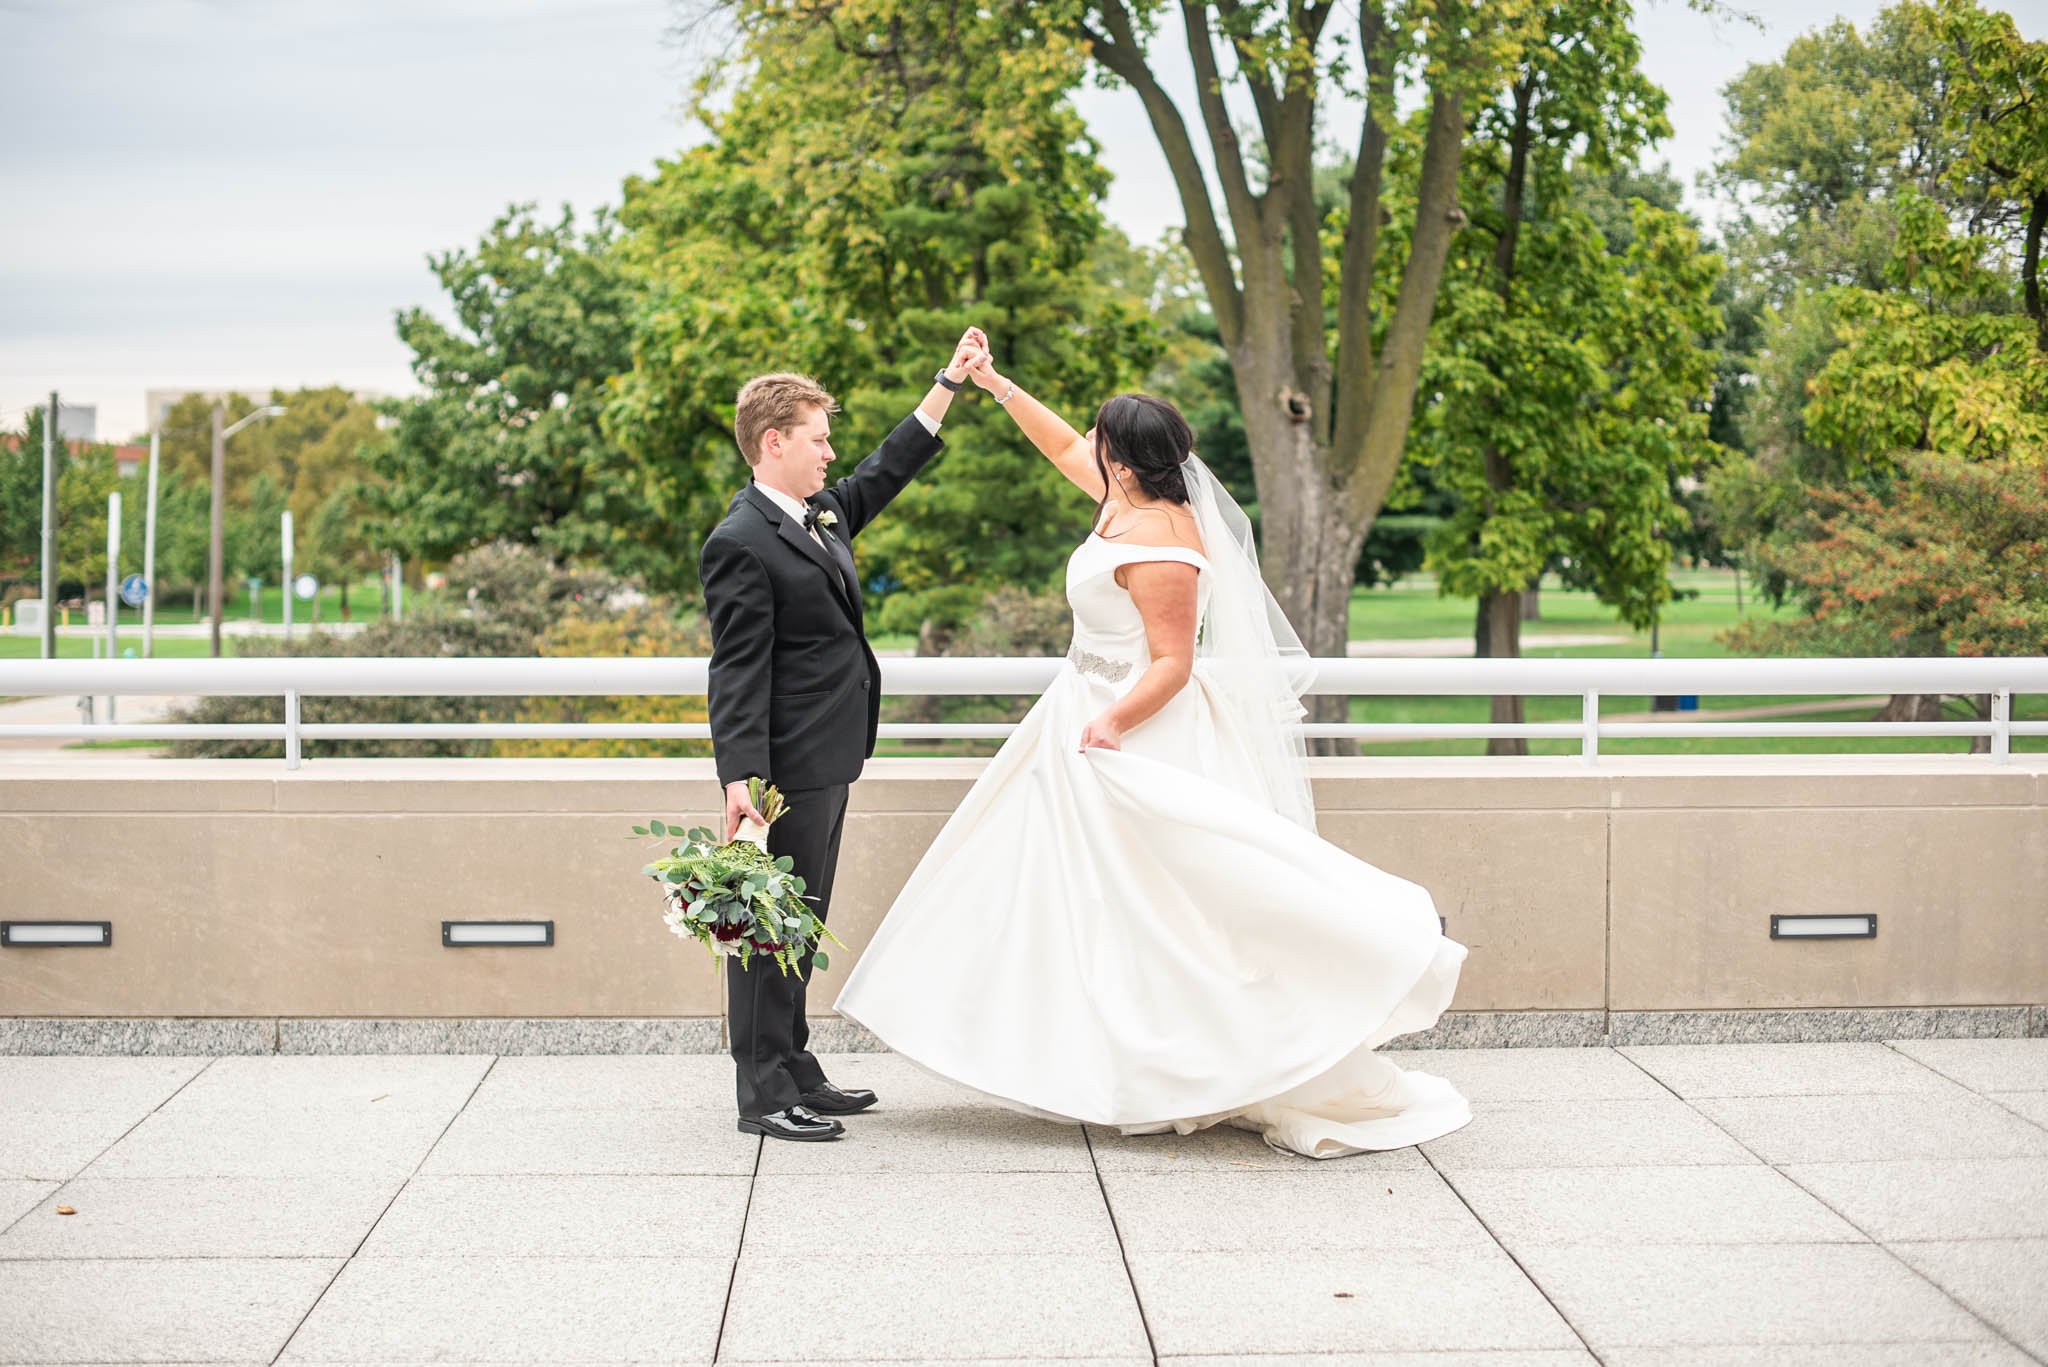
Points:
[(795, 692)]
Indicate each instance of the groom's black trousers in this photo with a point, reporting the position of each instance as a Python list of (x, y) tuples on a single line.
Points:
[(765, 1006)]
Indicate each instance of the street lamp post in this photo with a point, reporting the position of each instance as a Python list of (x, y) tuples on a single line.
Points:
[(149, 551), (213, 549)]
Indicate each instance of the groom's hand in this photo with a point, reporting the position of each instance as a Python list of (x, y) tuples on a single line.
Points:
[(738, 808), (970, 353)]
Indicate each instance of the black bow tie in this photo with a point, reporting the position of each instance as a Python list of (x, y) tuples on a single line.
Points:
[(811, 512)]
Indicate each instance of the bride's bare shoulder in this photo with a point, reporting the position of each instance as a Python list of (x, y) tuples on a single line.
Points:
[(1133, 526)]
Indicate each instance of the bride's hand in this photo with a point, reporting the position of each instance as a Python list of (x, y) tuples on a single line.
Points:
[(985, 374), (971, 352), (1101, 734)]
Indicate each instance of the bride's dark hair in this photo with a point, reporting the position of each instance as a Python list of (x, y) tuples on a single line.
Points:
[(1148, 435)]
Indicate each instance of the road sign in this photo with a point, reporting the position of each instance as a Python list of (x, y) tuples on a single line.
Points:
[(306, 586), (134, 589)]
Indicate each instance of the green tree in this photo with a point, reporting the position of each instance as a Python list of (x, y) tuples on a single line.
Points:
[(1825, 147), (1568, 375), (21, 502), (1950, 562), (1998, 107), (252, 545), (506, 442), (83, 483), (1325, 350), (310, 455), (1945, 359), (1924, 535), (878, 177)]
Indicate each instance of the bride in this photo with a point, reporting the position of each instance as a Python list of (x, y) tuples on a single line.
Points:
[(1130, 920)]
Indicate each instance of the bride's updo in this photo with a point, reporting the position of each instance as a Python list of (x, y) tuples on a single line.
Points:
[(1151, 437)]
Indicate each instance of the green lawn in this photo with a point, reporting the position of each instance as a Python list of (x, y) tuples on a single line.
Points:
[(1413, 609), (365, 601), (81, 647)]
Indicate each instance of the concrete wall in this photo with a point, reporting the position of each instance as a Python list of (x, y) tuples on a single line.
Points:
[(238, 889)]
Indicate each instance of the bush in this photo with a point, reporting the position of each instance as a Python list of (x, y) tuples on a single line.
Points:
[(503, 600), (1012, 622), (644, 630)]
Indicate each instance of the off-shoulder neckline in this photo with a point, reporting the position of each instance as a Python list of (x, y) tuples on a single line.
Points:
[(1148, 546)]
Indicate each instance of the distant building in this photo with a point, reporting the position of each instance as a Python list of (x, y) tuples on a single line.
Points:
[(127, 458), (78, 421)]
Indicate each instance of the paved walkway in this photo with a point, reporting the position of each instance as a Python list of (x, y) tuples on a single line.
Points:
[(1839, 1203), (133, 709)]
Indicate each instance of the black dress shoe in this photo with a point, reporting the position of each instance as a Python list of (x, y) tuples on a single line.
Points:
[(795, 1123), (830, 1100)]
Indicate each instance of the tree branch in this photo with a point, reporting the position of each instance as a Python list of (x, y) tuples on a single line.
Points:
[(1119, 53), (1437, 216), (1361, 239), (1264, 99), (2030, 267), (1238, 199)]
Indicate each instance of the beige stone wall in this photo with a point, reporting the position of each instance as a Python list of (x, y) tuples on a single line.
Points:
[(239, 889)]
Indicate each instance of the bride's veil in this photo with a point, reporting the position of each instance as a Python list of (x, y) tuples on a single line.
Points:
[(1252, 651)]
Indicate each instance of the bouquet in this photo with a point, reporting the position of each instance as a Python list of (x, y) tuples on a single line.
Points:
[(735, 898)]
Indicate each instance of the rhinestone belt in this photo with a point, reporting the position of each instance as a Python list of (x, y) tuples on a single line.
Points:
[(1088, 662)]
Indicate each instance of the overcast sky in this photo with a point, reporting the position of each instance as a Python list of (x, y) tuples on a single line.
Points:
[(242, 192)]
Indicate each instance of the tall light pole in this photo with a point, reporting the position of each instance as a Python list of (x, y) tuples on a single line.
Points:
[(149, 552), (113, 584), (50, 530), (213, 548)]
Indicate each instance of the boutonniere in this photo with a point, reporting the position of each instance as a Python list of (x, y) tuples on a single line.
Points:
[(827, 518)]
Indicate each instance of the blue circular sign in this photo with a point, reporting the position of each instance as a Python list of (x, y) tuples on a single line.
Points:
[(133, 590)]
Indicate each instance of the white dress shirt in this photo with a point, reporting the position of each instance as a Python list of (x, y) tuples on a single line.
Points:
[(796, 509)]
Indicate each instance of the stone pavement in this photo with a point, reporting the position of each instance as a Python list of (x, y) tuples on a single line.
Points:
[(1711, 1204)]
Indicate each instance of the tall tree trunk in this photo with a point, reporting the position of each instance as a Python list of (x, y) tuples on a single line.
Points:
[(1981, 703), (1503, 607), (1911, 707), (1532, 600), (1497, 635), (1325, 437)]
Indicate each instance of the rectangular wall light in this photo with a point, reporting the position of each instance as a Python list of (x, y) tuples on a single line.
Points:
[(459, 934), (40, 934), (1862, 927)]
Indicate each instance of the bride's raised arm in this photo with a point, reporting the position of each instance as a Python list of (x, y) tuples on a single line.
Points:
[(1072, 453)]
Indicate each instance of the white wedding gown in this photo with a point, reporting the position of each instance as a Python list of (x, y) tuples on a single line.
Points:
[(1137, 939)]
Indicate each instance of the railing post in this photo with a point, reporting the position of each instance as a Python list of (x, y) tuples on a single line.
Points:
[(291, 728), (2001, 726), (1589, 723)]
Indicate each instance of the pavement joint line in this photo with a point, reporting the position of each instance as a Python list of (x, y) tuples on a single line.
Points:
[(1842, 1215), (1991, 1097), (285, 1347), (1501, 1244), (80, 1170), (1109, 1208), (739, 1249)]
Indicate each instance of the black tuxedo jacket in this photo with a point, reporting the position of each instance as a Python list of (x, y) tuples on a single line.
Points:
[(795, 691)]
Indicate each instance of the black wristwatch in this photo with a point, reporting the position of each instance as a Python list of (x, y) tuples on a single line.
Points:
[(955, 385)]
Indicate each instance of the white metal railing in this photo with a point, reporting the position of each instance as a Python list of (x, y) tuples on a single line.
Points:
[(297, 678)]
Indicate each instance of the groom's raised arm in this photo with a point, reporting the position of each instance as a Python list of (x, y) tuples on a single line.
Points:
[(863, 494), (878, 479), (741, 604)]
